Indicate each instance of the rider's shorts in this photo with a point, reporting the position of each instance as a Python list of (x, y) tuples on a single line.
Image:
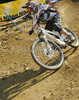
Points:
[(54, 23)]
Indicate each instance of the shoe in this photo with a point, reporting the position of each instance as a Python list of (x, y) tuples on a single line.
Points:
[(70, 37)]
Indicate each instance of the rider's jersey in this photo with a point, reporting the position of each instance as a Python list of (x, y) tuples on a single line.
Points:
[(46, 16)]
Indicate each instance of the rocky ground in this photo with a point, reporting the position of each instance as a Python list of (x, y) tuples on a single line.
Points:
[(21, 78)]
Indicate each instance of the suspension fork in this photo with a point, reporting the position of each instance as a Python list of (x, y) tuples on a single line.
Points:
[(46, 50), (44, 37)]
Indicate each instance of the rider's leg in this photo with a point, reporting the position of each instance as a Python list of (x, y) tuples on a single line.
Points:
[(55, 24), (57, 27), (63, 32), (48, 25)]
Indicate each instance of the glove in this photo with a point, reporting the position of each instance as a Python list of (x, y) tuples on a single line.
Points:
[(30, 32)]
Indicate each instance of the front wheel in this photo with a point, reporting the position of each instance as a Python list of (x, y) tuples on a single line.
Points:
[(75, 43), (50, 58)]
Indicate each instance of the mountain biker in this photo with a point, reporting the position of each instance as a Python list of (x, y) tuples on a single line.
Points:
[(46, 12)]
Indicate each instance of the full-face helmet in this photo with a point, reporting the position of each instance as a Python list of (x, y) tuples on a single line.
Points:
[(31, 6)]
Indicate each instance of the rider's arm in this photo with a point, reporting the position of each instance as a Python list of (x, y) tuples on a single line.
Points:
[(34, 22)]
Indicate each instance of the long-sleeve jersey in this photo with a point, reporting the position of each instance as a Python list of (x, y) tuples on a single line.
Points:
[(49, 16)]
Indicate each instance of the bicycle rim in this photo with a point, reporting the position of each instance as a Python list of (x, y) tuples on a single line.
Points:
[(53, 62), (76, 42)]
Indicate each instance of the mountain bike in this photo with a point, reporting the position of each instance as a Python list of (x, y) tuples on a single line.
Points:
[(47, 53)]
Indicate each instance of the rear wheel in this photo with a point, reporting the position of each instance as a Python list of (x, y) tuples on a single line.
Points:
[(75, 43), (50, 58)]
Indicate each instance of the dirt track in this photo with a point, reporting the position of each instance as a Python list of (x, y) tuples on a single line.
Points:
[(22, 79)]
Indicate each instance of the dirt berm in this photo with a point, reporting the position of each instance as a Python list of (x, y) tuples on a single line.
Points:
[(21, 78)]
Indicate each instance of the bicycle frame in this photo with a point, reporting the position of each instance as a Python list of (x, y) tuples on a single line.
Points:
[(45, 33)]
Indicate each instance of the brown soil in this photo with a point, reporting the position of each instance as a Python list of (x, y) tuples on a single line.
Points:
[(21, 78)]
